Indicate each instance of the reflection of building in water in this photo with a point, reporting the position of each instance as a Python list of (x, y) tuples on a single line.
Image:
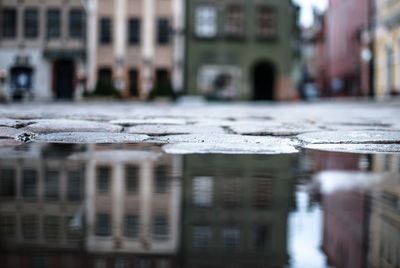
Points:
[(384, 235), (345, 212), (344, 235), (132, 202), (40, 194), (362, 225), (235, 210), (73, 205)]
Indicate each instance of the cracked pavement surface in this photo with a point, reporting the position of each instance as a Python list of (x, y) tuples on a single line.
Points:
[(196, 127)]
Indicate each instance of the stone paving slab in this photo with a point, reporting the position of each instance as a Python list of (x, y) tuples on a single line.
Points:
[(351, 137), (90, 137), (10, 133), (362, 126), (160, 129), (70, 125)]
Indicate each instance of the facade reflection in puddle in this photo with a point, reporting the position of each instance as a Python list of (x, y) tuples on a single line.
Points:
[(135, 206), (361, 226), (74, 206)]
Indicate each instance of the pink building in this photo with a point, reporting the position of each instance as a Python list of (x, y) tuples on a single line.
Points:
[(346, 55), (344, 228)]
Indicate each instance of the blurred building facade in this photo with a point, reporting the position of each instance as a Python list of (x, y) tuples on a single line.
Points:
[(89, 206), (42, 48), (136, 46), (235, 210), (347, 48), (384, 223), (387, 48), (241, 49), (132, 46)]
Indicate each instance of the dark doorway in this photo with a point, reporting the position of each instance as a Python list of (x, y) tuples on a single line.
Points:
[(64, 79), (263, 81), (133, 82), (162, 87)]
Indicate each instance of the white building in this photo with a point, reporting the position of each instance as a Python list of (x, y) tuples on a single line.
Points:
[(42, 48)]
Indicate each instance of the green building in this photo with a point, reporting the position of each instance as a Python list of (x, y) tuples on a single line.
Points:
[(241, 49), (235, 210)]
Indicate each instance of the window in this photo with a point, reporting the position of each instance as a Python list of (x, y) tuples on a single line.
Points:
[(31, 23), (74, 232), (163, 31), (75, 185), (203, 191), (103, 179), (7, 182), (161, 180), (103, 225), (231, 236), (263, 192), (234, 24), (231, 193), (8, 225), (53, 23), (105, 30), (260, 236), (160, 227), (76, 23), (30, 226), (134, 31), (52, 185), (9, 23), (131, 179), (51, 228), (201, 237), (266, 23), (206, 21), (29, 183), (131, 227), (133, 82)]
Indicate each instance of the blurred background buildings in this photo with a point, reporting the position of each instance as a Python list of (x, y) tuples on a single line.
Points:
[(224, 50)]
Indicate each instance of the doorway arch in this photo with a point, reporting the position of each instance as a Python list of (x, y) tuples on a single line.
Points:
[(263, 75), (64, 71)]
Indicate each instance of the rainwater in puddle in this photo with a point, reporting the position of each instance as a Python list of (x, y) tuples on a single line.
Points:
[(132, 205)]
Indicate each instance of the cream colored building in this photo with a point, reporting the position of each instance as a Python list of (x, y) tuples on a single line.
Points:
[(132, 200), (384, 225), (387, 48), (88, 202), (135, 44)]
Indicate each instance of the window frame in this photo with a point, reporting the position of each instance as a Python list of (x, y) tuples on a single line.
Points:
[(31, 24), (105, 31), (72, 32), (5, 19), (53, 24), (134, 33), (211, 21), (163, 31)]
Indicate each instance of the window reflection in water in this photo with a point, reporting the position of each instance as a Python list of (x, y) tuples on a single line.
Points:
[(134, 206)]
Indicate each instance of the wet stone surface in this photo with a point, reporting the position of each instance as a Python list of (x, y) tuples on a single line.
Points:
[(67, 125), (90, 137), (262, 128)]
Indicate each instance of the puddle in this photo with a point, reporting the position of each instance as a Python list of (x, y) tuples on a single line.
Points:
[(155, 205)]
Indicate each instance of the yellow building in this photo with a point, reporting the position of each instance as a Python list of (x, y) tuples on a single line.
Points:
[(387, 48)]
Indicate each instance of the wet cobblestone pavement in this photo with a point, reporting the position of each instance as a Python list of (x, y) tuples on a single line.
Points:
[(262, 128)]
